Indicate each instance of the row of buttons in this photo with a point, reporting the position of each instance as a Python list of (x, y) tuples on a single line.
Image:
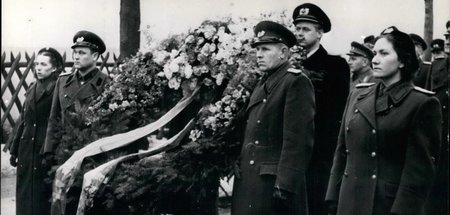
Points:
[(252, 162)]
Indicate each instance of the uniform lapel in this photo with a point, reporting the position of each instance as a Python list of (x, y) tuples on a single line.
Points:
[(258, 95), (366, 105), (275, 78), (70, 89)]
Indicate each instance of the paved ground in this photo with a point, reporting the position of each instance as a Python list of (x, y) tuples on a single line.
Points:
[(8, 185)]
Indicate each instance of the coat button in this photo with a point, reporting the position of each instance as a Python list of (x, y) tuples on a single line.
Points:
[(347, 129), (35, 168), (374, 176), (356, 110), (256, 142), (345, 174), (259, 121), (34, 125), (264, 100), (32, 139), (347, 151), (82, 82), (65, 95), (373, 154), (252, 162), (374, 131)]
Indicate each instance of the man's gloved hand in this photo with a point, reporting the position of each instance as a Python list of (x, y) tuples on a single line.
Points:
[(283, 201), (13, 160), (332, 207)]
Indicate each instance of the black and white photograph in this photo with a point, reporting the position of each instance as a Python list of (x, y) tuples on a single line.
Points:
[(225, 107)]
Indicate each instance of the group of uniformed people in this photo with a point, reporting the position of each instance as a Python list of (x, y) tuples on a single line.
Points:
[(333, 137)]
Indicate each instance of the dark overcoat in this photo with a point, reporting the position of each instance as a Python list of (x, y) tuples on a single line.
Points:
[(331, 94), (437, 82), (277, 144), (72, 94), (32, 194), (385, 156), (420, 78)]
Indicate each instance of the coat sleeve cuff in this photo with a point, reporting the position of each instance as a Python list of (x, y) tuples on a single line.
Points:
[(289, 179)]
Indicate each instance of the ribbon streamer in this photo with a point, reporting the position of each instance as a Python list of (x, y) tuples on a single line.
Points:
[(66, 173), (96, 178)]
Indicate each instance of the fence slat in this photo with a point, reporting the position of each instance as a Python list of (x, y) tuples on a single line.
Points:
[(16, 93), (104, 62), (27, 57), (10, 86), (3, 59), (10, 74), (9, 117)]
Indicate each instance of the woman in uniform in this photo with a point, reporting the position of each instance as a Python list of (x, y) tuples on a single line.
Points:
[(32, 193), (389, 138)]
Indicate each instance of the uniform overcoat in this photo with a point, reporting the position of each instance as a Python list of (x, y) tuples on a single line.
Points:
[(72, 93), (385, 156), (277, 144), (438, 82)]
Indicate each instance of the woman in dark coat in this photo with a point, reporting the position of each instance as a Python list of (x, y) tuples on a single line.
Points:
[(389, 138), (32, 193)]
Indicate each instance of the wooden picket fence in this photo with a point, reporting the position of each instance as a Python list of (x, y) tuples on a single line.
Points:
[(22, 71)]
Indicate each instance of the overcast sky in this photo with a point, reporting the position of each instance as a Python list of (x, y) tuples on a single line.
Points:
[(32, 24)]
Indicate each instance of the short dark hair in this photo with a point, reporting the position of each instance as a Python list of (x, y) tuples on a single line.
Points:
[(405, 49)]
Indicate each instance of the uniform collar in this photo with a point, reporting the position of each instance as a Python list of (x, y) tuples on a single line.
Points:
[(393, 95), (359, 76), (86, 77), (276, 76)]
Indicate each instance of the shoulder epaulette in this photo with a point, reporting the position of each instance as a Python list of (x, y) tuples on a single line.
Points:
[(295, 71), (427, 62), (424, 90), (363, 85), (65, 73)]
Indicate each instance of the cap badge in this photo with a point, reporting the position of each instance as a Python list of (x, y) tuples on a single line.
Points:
[(388, 30), (261, 33), (80, 39), (304, 11), (436, 46)]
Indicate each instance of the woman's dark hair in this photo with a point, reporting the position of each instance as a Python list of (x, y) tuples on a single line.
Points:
[(55, 58), (404, 47)]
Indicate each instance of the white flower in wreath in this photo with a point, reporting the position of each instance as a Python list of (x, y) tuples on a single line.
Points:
[(213, 108), (210, 121), (190, 39), (174, 83), (174, 67), (125, 104), (167, 71), (188, 71), (219, 79), (195, 134), (113, 106)]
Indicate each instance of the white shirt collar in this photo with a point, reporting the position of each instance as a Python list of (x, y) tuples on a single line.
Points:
[(312, 52)]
